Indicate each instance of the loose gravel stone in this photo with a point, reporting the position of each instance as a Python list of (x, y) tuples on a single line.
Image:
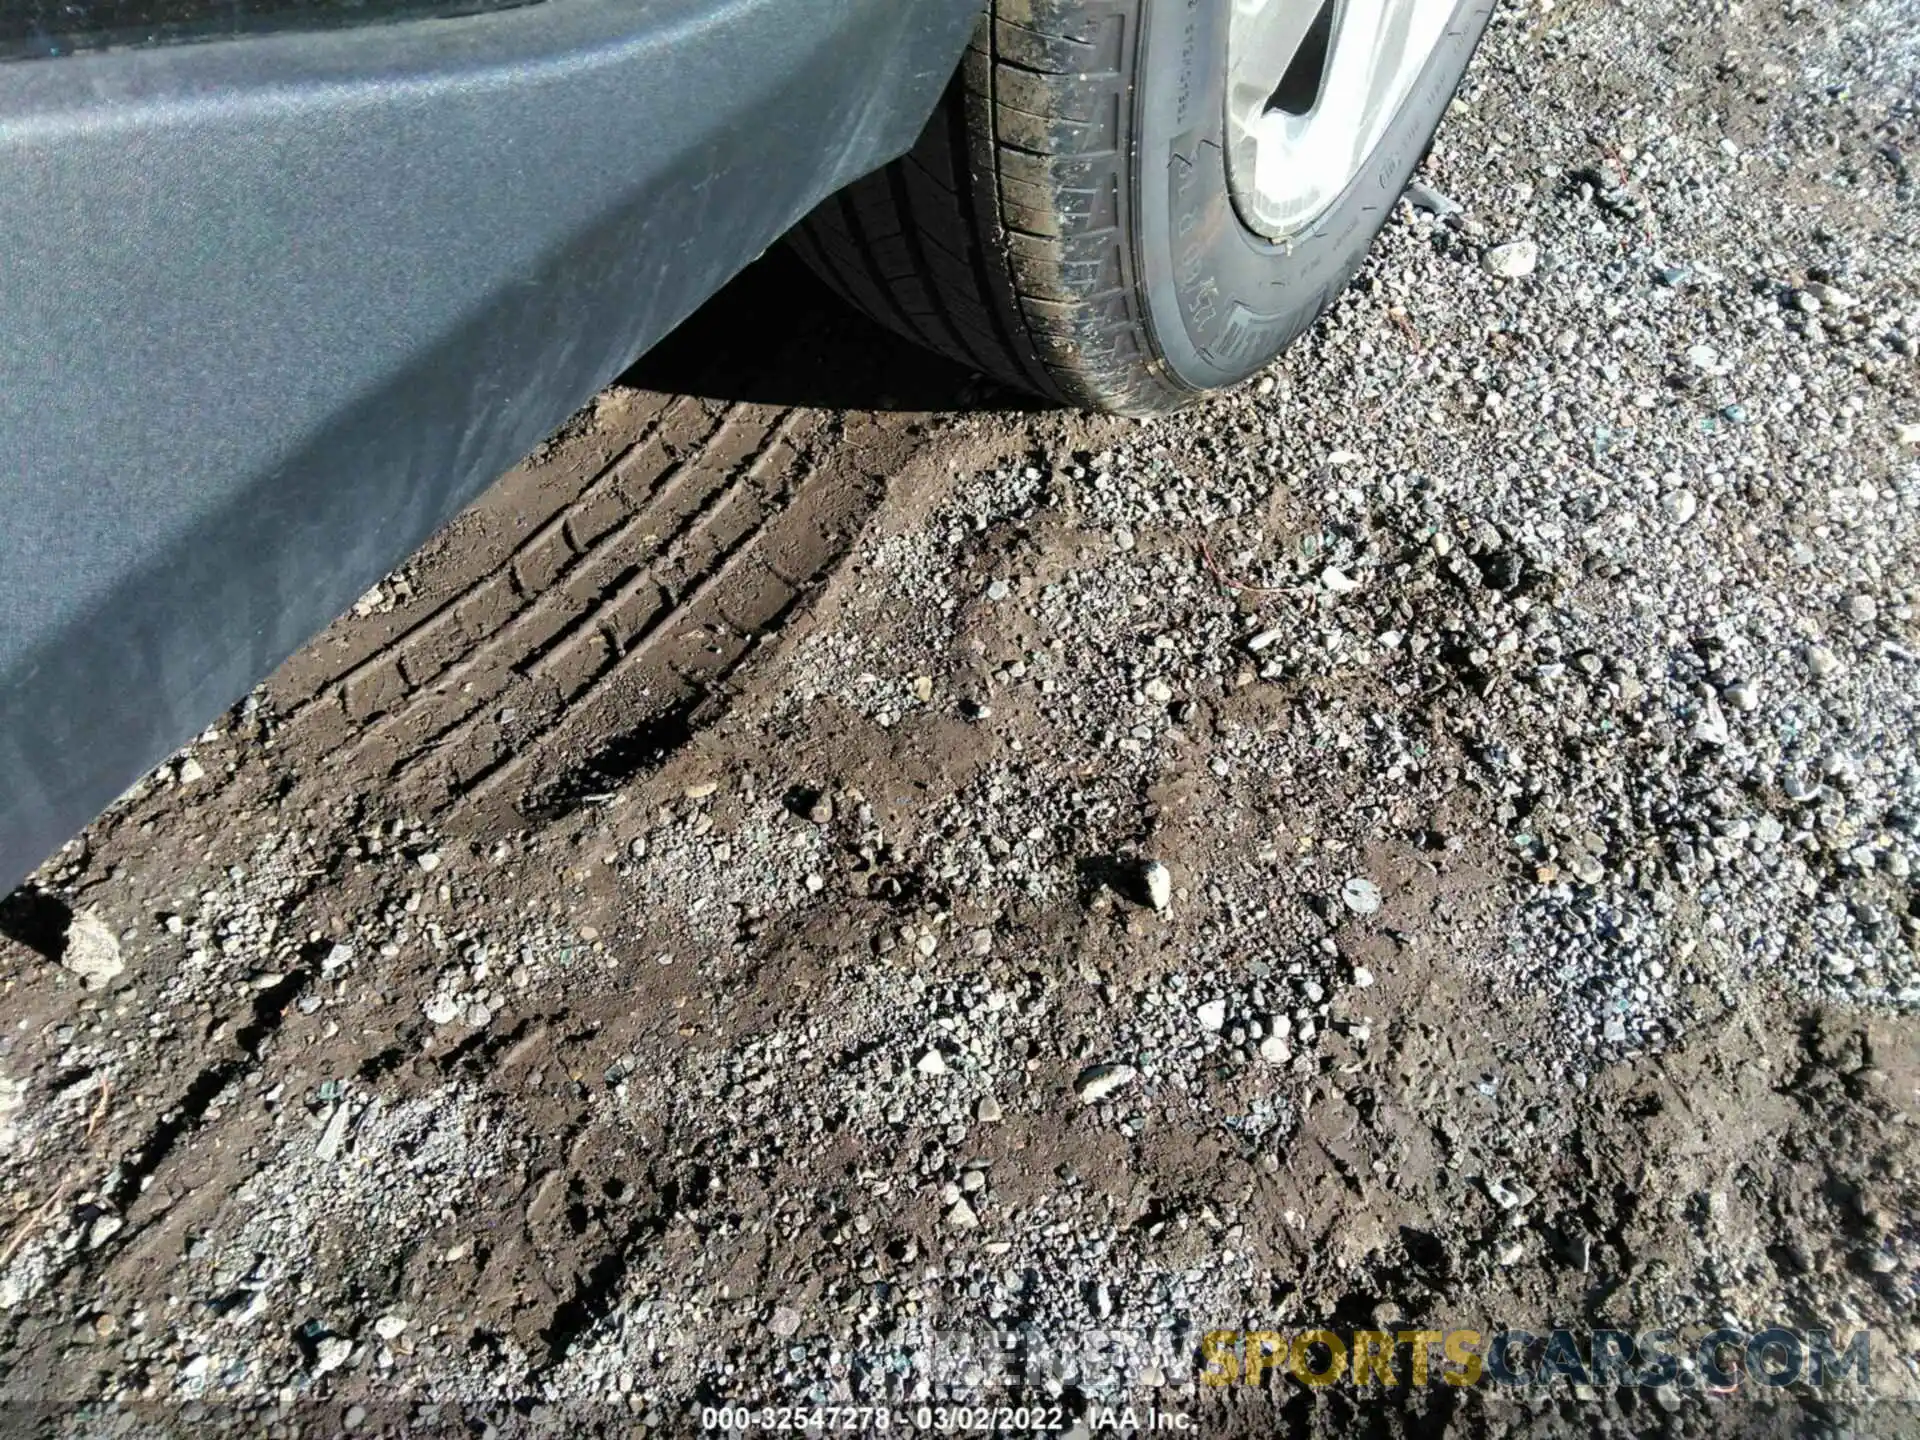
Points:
[(1361, 895), (92, 950), (1513, 260), (1097, 1082), (330, 1353), (1158, 883)]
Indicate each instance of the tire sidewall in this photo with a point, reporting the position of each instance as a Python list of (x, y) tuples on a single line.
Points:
[(1221, 301)]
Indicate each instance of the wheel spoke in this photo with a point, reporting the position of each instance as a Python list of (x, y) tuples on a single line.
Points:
[(1267, 36), (1293, 146), (1352, 60)]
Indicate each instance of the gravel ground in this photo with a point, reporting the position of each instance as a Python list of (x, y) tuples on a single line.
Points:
[(1424, 841)]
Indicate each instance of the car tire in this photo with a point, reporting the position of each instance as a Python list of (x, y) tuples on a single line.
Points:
[(1067, 223)]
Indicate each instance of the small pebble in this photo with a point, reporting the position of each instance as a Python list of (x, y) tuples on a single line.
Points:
[(331, 1353), (1513, 260), (1097, 1082), (1158, 882), (1361, 895)]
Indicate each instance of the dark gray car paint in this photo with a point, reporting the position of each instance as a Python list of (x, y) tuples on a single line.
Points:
[(43, 29), (274, 309)]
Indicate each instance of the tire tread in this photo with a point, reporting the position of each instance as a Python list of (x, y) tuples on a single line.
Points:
[(1001, 239)]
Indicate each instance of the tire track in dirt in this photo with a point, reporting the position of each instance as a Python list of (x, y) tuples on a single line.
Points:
[(543, 650), (575, 620), (632, 600), (453, 618)]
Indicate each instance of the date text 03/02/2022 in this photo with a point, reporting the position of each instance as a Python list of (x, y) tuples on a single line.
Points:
[(943, 1419)]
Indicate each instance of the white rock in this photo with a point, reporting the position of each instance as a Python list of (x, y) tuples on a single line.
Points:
[(1265, 638), (1212, 1015), (1159, 884), (1711, 727), (390, 1327), (1361, 895), (987, 1111), (961, 1216), (331, 1353), (1274, 1050), (334, 1133), (13, 1095), (190, 771), (1338, 581), (1512, 260), (1680, 505), (1508, 1197), (1362, 977), (442, 1009), (931, 1063), (93, 950), (1799, 788), (1822, 661), (1097, 1082), (252, 1310), (429, 861)]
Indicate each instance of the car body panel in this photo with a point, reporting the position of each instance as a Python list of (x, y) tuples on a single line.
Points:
[(276, 308)]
